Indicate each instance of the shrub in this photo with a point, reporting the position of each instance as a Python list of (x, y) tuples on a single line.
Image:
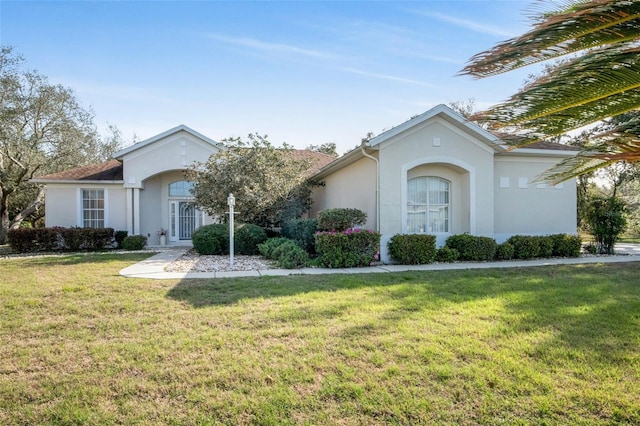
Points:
[(267, 248), (120, 236), (288, 255), (272, 233), (446, 254), (590, 248), (340, 219), (134, 242), (26, 240), (247, 237), (545, 246), (504, 251), (211, 239), (524, 246), (58, 238), (565, 245), (606, 221), (351, 248), (302, 231), (75, 239), (412, 249), (472, 247)]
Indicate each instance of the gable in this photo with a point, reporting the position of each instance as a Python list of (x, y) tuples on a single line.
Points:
[(177, 149), (445, 114)]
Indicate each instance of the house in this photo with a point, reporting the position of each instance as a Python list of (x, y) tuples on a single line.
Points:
[(142, 190), (441, 174), (435, 174)]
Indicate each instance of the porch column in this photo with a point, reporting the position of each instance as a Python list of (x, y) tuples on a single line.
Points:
[(129, 207), (136, 211)]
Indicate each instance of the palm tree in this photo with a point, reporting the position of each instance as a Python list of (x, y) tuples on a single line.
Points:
[(602, 80)]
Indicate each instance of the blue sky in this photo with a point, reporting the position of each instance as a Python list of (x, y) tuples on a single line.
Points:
[(305, 72)]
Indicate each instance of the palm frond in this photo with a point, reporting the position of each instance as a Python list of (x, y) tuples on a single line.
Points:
[(570, 168), (576, 94), (622, 143), (576, 27)]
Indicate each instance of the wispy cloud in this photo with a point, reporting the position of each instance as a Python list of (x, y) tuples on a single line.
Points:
[(387, 77), (271, 47), (467, 24)]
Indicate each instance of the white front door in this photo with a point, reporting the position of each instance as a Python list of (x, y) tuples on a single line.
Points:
[(184, 218)]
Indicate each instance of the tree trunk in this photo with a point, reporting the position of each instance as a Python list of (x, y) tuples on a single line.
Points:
[(6, 224), (20, 217), (4, 219)]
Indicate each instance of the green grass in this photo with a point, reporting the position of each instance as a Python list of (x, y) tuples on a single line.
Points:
[(551, 345)]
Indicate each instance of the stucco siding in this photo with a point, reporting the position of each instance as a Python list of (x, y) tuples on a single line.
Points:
[(152, 210), (64, 205), (437, 148), (175, 152), (350, 187), (524, 207)]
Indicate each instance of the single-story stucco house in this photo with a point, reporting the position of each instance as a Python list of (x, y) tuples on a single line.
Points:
[(437, 173)]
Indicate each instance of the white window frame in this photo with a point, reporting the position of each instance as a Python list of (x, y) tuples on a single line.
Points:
[(81, 209), (428, 207)]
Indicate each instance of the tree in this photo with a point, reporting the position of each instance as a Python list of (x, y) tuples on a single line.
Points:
[(270, 185), (606, 221), (602, 80), (328, 148), (467, 108), (43, 130)]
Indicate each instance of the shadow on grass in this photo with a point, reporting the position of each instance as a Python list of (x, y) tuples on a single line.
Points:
[(78, 258), (591, 308)]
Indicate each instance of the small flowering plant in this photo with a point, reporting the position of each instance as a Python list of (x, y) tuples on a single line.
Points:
[(162, 232)]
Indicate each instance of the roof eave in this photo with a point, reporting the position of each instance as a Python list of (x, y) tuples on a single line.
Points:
[(540, 152), (489, 138), (348, 158)]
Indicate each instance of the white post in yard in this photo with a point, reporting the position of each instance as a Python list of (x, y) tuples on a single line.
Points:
[(231, 202)]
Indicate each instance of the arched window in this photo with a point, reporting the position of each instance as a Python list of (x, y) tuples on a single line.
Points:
[(428, 205), (181, 188)]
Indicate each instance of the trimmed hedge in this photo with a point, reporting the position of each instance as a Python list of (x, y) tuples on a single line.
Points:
[(302, 231), (247, 237), (25, 240), (412, 249), (565, 245), (524, 246), (340, 219), (446, 254), (134, 242), (472, 247), (211, 239), (348, 249), (504, 251), (120, 236), (532, 246)]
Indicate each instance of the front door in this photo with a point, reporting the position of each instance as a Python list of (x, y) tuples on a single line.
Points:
[(183, 219)]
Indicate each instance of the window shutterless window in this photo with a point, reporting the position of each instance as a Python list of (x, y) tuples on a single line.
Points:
[(93, 208), (181, 188), (428, 205)]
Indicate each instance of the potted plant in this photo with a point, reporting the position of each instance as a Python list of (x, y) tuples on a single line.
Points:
[(162, 235)]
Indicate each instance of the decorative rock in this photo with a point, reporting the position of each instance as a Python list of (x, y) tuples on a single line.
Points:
[(193, 262)]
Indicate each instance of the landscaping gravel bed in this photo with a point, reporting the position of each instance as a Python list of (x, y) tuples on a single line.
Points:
[(193, 262)]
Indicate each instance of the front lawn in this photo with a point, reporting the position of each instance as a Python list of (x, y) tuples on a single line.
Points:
[(549, 345)]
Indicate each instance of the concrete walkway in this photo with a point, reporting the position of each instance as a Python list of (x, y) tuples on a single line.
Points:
[(153, 267)]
